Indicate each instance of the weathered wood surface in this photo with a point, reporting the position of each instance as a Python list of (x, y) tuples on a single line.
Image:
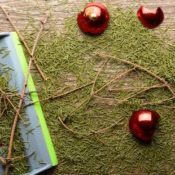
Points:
[(22, 10)]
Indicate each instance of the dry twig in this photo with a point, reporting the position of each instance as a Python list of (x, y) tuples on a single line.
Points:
[(61, 95), (116, 78), (140, 92), (100, 131), (98, 73), (66, 127), (132, 88), (86, 101), (137, 66), (159, 102), (103, 130), (22, 95), (10, 102), (24, 42)]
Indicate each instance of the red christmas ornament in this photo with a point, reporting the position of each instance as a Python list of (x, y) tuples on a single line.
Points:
[(94, 19), (150, 18), (142, 124)]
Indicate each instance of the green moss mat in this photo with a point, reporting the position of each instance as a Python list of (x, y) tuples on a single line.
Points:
[(70, 60)]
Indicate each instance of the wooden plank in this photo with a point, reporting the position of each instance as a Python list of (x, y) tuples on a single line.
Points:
[(22, 10)]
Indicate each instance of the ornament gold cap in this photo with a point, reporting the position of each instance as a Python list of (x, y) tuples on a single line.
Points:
[(93, 13)]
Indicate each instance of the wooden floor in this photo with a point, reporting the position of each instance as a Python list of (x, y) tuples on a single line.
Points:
[(22, 10)]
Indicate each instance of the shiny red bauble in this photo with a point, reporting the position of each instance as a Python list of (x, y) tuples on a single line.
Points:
[(93, 19), (150, 18), (143, 123)]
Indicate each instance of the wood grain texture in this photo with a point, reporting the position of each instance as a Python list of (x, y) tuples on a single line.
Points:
[(23, 10)]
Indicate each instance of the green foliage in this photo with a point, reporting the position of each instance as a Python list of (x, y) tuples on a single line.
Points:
[(69, 59)]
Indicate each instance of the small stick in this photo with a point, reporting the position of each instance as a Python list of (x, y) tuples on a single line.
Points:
[(74, 90), (61, 95), (159, 102), (68, 93), (10, 102), (2, 113), (101, 141), (132, 96), (5, 106), (100, 131), (3, 161), (116, 78), (22, 95), (22, 157), (98, 73), (86, 101), (143, 69), (65, 126), (24, 43), (169, 107), (132, 88), (140, 92), (104, 98)]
